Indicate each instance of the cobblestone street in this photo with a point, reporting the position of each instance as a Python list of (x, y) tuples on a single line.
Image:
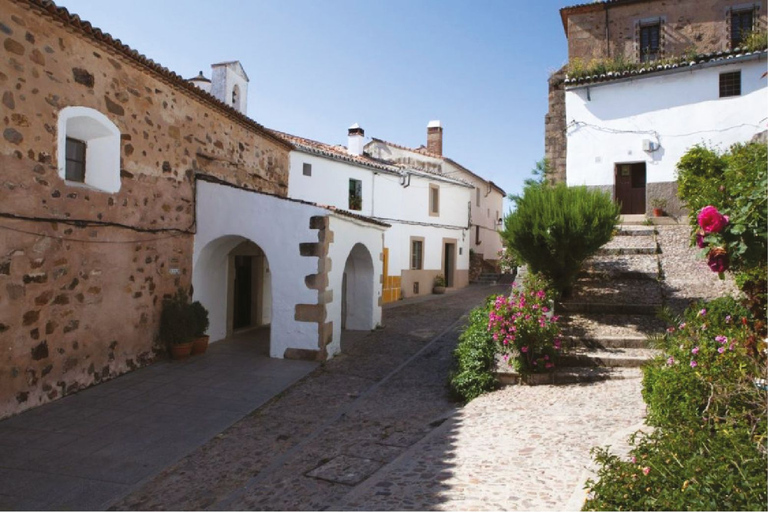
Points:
[(375, 429)]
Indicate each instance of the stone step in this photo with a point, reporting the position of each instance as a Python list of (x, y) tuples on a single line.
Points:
[(645, 266), (607, 357), (626, 230), (613, 296), (604, 328), (630, 245), (569, 376), (606, 342), (607, 308), (619, 251)]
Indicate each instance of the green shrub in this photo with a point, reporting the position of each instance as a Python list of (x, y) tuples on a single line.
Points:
[(555, 228), (177, 322), (475, 357), (729, 213), (200, 319), (708, 448)]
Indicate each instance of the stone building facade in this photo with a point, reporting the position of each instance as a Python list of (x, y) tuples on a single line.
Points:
[(618, 29), (85, 261)]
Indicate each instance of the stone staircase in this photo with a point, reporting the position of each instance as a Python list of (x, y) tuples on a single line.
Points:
[(610, 313)]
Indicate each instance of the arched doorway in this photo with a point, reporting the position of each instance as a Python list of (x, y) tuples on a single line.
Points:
[(357, 290), (232, 279)]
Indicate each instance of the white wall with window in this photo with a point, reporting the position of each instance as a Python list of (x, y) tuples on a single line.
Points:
[(88, 149), (656, 118)]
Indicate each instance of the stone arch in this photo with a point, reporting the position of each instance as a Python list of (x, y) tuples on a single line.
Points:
[(357, 289), (228, 271)]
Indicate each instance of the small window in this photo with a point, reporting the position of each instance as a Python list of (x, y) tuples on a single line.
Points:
[(307, 169), (730, 84), (477, 196), (741, 25), (88, 149), (355, 194), (417, 254), (434, 200), (477, 235), (650, 42), (75, 160)]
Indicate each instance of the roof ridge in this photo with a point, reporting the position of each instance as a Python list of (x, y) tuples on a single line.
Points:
[(49, 8)]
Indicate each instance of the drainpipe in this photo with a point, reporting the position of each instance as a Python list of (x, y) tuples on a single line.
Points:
[(405, 181)]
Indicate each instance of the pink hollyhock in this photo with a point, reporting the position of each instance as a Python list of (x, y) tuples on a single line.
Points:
[(711, 220), (717, 259)]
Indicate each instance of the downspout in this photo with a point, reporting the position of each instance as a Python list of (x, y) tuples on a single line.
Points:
[(405, 183)]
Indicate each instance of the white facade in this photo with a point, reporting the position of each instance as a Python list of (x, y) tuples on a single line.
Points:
[(400, 198), (487, 201), (229, 84), (228, 217), (656, 118)]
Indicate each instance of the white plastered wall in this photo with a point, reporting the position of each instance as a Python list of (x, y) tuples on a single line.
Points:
[(683, 108), (225, 217)]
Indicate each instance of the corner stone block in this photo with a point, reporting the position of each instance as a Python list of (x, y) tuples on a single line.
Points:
[(315, 313), (325, 335), (302, 354), (325, 297), (316, 281), (318, 222), (310, 249)]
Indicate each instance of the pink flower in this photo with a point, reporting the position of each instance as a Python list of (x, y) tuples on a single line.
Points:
[(700, 240), (549, 365), (721, 339), (695, 350), (681, 326), (694, 364), (717, 259), (670, 361), (721, 349), (670, 329), (633, 459), (711, 220), (728, 319), (646, 470), (702, 312), (524, 349)]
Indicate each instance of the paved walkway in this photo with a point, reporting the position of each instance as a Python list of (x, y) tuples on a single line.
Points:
[(375, 429), (89, 449)]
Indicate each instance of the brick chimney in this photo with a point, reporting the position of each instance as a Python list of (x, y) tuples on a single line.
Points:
[(435, 138), (355, 140)]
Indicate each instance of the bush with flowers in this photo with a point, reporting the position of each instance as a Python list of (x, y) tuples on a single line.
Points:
[(726, 195), (525, 327), (707, 450)]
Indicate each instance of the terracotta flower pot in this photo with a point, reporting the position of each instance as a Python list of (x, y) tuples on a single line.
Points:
[(438, 290), (200, 345), (181, 350), (658, 212)]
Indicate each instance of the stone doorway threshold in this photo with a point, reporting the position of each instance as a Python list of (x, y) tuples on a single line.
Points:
[(87, 450)]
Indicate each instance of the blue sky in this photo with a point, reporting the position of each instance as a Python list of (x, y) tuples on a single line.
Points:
[(318, 66)]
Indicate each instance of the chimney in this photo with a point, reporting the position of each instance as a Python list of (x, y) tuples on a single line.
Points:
[(435, 138), (201, 82), (355, 140)]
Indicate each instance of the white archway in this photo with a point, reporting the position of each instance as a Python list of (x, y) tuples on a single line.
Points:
[(357, 290), (220, 284)]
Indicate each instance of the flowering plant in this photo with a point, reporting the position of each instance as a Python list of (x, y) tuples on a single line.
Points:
[(526, 329), (507, 261)]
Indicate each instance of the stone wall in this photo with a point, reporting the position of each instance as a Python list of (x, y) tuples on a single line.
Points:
[(686, 24), (82, 271), (555, 141)]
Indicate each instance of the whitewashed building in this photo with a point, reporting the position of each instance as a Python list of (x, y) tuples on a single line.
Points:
[(487, 202), (627, 132), (300, 271), (428, 211)]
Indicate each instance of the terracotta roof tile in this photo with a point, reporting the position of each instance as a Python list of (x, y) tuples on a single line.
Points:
[(685, 63), (49, 8)]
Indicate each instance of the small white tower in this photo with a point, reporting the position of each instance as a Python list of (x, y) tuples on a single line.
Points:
[(229, 84)]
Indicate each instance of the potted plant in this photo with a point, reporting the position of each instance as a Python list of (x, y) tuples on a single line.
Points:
[(439, 286), (200, 325), (176, 324), (658, 204)]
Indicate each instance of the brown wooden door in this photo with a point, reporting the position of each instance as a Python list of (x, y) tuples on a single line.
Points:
[(630, 187), (449, 264)]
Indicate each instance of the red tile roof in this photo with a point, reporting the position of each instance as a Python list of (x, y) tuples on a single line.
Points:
[(61, 14)]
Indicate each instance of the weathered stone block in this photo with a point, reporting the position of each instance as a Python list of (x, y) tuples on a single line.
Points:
[(310, 313)]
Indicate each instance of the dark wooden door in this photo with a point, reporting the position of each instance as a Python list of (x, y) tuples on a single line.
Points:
[(450, 262), (630, 187), (243, 292)]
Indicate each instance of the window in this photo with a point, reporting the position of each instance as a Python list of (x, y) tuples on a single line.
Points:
[(477, 196), (650, 42), (730, 84), (477, 235), (307, 169), (75, 160), (434, 200), (88, 149), (741, 25), (355, 194), (417, 254)]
